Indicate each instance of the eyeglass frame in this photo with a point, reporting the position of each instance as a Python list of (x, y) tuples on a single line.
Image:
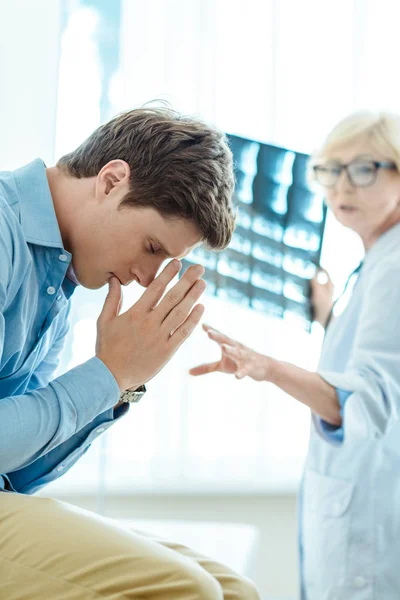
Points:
[(378, 164)]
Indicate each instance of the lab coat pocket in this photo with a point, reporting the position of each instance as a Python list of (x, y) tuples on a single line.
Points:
[(325, 529)]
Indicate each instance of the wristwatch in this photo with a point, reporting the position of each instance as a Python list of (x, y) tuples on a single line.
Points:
[(133, 395)]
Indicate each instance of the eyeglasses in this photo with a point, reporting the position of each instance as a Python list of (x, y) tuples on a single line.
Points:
[(361, 173)]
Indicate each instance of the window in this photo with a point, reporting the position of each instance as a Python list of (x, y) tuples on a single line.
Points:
[(279, 72)]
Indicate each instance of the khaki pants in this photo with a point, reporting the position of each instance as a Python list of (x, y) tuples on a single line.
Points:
[(50, 550)]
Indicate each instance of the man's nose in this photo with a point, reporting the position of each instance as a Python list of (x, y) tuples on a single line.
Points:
[(148, 275)]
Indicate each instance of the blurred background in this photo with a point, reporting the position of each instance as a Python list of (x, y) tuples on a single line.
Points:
[(197, 457)]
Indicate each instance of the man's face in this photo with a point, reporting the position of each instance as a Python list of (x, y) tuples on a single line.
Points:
[(130, 243)]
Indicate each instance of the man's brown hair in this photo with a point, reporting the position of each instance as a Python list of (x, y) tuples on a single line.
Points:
[(179, 166)]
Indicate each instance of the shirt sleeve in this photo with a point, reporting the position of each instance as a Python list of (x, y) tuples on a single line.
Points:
[(34, 423), (57, 462), (45, 370), (369, 389)]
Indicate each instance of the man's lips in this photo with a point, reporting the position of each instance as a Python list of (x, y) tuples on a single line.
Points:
[(347, 208), (114, 275), (124, 282)]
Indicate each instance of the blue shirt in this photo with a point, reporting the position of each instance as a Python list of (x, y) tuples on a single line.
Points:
[(350, 493), (46, 425)]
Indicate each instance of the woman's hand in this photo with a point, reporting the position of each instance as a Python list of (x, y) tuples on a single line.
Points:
[(306, 387), (236, 359), (321, 296)]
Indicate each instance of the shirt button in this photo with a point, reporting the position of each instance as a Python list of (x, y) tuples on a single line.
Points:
[(359, 581), (63, 257), (59, 297), (60, 468), (100, 430), (51, 290)]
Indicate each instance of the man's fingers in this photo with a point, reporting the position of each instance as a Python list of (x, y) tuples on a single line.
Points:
[(181, 311), (204, 369), (176, 294), (112, 303), (186, 328), (156, 289)]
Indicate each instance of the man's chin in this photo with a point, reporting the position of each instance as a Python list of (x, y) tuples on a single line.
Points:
[(90, 284), (93, 285)]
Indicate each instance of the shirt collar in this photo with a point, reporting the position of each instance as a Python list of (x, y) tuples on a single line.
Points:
[(388, 241), (38, 217)]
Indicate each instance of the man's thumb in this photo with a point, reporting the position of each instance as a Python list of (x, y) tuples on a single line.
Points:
[(113, 301)]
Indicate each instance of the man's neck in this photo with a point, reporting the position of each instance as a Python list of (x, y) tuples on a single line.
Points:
[(69, 195)]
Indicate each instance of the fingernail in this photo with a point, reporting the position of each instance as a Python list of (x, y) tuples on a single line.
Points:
[(177, 264), (198, 269), (227, 347)]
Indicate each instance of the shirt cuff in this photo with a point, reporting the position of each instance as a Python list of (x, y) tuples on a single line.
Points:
[(92, 389), (333, 433)]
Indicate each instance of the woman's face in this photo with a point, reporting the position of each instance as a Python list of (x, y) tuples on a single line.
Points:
[(369, 210)]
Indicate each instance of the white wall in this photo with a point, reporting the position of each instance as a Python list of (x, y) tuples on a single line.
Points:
[(29, 53), (276, 567)]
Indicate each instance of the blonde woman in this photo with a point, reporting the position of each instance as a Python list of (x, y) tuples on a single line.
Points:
[(350, 493)]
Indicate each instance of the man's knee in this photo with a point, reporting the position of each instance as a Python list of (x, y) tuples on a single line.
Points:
[(241, 588), (201, 585)]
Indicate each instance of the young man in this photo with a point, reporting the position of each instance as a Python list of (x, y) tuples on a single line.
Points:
[(147, 186)]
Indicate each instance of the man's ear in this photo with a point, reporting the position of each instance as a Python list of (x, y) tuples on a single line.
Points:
[(114, 174)]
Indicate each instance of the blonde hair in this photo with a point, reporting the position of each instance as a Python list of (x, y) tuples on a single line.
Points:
[(381, 128)]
